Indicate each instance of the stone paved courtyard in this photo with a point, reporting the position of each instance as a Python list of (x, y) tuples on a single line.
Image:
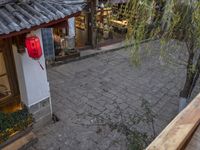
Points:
[(108, 87)]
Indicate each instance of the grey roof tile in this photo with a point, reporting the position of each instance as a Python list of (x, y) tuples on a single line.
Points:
[(18, 16), (23, 23), (53, 9), (36, 13)]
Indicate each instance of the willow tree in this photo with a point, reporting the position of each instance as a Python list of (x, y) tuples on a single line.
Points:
[(168, 20)]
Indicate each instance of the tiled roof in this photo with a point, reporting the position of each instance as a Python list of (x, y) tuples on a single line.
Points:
[(18, 16)]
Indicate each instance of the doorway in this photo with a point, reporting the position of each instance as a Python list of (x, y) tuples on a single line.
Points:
[(9, 90)]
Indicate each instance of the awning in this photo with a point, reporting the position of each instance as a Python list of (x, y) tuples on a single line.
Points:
[(18, 16)]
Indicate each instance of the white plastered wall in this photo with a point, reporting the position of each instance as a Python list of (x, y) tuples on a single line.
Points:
[(32, 79)]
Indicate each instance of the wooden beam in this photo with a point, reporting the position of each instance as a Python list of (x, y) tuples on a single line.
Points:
[(93, 28), (194, 143), (22, 142), (44, 25), (60, 25), (180, 130)]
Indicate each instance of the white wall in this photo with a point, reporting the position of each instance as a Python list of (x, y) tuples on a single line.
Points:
[(33, 83)]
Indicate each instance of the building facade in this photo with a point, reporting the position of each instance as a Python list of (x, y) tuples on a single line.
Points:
[(23, 78), (100, 23), (66, 40)]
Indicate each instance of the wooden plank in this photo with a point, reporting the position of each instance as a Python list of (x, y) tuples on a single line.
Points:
[(178, 132), (22, 142), (195, 141)]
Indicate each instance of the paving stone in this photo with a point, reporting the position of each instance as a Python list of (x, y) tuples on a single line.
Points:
[(118, 100), (123, 106), (110, 107), (90, 90)]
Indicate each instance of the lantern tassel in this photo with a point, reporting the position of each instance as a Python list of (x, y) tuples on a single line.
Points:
[(40, 65)]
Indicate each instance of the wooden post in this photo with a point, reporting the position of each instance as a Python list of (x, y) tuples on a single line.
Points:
[(92, 18)]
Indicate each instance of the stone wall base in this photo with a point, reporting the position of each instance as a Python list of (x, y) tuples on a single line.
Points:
[(41, 113)]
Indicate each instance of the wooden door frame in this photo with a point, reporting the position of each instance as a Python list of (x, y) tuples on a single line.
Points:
[(6, 46)]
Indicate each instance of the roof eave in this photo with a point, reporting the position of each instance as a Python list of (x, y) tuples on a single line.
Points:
[(44, 25)]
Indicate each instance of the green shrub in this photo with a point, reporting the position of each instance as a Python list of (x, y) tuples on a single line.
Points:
[(10, 123)]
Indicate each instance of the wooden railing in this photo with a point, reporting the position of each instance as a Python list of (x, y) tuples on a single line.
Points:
[(179, 132)]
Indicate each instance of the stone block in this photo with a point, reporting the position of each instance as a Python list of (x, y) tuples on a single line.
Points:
[(45, 103), (42, 122), (41, 113), (34, 108)]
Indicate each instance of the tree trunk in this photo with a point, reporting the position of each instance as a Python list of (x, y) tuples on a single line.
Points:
[(189, 77), (184, 94), (191, 80), (196, 75)]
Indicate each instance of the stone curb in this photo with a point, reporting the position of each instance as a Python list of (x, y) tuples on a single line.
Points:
[(98, 52)]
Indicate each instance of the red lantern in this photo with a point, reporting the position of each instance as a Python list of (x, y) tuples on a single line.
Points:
[(33, 47)]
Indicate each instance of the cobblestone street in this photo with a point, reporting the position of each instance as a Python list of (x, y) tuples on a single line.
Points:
[(108, 87)]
